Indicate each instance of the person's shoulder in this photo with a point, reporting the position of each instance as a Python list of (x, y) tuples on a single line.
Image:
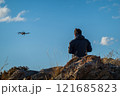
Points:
[(87, 40), (72, 41)]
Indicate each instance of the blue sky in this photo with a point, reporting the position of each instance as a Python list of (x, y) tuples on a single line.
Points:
[(51, 24)]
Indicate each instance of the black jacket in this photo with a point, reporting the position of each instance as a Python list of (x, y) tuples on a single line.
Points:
[(79, 46)]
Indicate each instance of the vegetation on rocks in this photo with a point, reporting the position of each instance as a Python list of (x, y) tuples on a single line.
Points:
[(90, 67)]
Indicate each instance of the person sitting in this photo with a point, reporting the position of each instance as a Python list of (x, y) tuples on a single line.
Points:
[(79, 46)]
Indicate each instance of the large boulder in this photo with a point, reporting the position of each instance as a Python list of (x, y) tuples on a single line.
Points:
[(89, 68)]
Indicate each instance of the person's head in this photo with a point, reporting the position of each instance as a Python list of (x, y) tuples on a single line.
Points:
[(77, 32)]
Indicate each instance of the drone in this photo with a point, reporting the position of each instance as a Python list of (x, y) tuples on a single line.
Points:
[(23, 33)]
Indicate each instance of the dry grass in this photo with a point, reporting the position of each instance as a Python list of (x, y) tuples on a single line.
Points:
[(55, 71), (111, 61), (6, 74), (4, 65), (108, 59)]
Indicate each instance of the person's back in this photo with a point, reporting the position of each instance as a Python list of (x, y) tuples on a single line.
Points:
[(79, 46)]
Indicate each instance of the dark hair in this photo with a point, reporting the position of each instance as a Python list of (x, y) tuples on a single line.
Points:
[(77, 31)]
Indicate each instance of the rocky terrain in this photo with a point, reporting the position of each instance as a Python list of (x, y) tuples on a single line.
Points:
[(89, 67)]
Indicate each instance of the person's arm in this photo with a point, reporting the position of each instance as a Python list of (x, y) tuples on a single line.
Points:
[(89, 47), (70, 48)]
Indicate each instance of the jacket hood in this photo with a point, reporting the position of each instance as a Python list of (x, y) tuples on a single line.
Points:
[(80, 37)]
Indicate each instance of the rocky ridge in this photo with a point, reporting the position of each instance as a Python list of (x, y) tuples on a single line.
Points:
[(89, 67)]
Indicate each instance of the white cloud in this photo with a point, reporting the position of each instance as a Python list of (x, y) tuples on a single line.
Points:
[(2, 1), (17, 18), (37, 19), (116, 4), (103, 7), (5, 17), (90, 1), (107, 8), (4, 11), (106, 40), (116, 17), (95, 42), (114, 7)]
